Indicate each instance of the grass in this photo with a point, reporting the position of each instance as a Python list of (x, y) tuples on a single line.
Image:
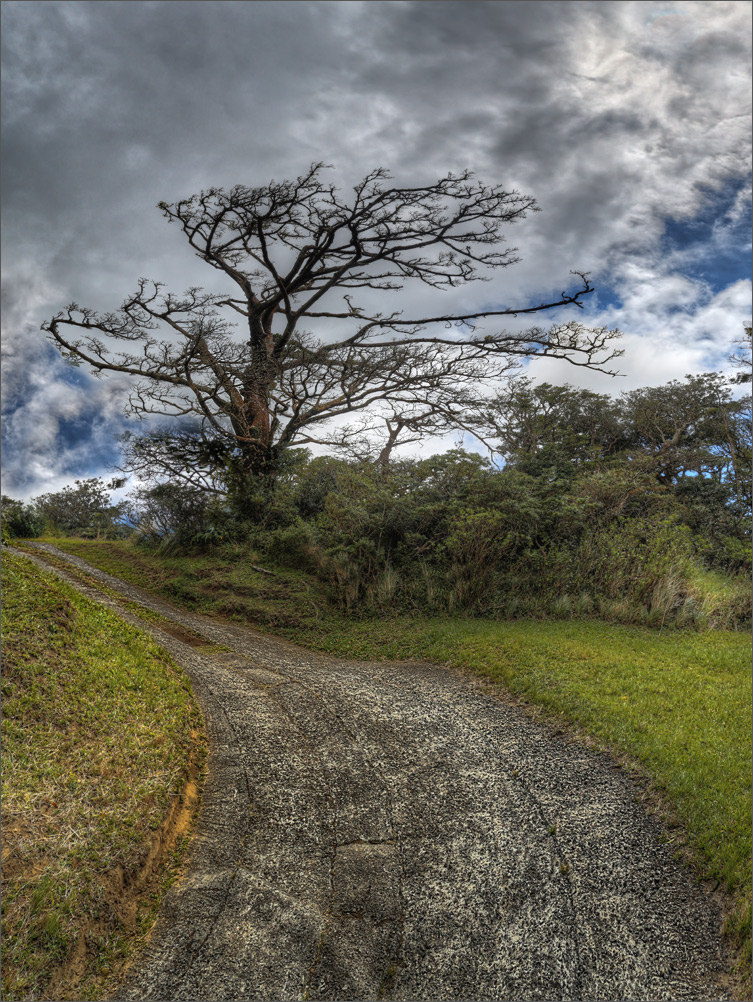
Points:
[(675, 703), (721, 599), (98, 728)]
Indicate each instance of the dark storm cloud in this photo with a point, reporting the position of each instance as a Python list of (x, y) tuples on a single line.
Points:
[(617, 116), (110, 107), (558, 98)]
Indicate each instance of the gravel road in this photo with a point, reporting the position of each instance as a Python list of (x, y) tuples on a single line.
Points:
[(400, 831)]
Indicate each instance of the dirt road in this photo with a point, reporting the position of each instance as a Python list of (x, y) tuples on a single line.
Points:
[(399, 831)]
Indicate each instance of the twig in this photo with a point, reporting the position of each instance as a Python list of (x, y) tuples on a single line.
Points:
[(261, 570)]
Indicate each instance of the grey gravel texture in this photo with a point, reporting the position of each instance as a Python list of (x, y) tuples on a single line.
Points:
[(400, 831)]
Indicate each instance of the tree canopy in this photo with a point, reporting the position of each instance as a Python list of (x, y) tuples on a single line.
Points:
[(84, 509)]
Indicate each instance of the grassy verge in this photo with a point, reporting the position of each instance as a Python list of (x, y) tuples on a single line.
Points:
[(99, 727), (676, 703)]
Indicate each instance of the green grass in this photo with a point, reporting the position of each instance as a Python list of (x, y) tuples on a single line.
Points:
[(98, 727), (676, 703), (721, 599)]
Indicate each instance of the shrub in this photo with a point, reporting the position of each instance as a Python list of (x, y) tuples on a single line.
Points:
[(20, 520), (290, 546)]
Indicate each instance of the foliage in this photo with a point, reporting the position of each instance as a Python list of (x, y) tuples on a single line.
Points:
[(559, 425), (604, 506), (693, 438), (454, 533), (685, 428), (84, 509), (20, 520)]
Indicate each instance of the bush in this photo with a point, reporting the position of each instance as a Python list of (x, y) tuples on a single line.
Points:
[(454, 534), (289, 546), (21, 521), (174, 517)]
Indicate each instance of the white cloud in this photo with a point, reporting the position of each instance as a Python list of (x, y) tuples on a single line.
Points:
[(41, 395), (672, 326)]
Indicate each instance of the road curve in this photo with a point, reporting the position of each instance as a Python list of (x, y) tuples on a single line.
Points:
[(400, 831)]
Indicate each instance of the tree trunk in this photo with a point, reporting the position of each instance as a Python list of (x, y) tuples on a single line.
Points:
[(383, 459)]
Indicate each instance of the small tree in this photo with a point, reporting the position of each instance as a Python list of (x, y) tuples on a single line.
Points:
[(177, 513), (682, 426), (20, 520), (529, 422), (84, 509), (297, 254)]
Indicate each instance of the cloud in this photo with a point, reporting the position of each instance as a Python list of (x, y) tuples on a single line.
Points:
[(672, 326), (59, 423), (622, 118)]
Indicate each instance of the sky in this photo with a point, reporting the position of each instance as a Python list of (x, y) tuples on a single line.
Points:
[(629, 122)]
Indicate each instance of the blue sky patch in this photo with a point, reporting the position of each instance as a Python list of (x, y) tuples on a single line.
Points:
[(714, 246)]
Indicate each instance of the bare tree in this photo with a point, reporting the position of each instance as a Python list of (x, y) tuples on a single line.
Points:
[(297, 253), (447, 406), (374, 437)]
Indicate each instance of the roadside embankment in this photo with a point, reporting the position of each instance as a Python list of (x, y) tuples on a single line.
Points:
[(103, 750)]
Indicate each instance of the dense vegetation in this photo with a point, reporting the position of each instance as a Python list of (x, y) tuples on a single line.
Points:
[(634, 509)]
